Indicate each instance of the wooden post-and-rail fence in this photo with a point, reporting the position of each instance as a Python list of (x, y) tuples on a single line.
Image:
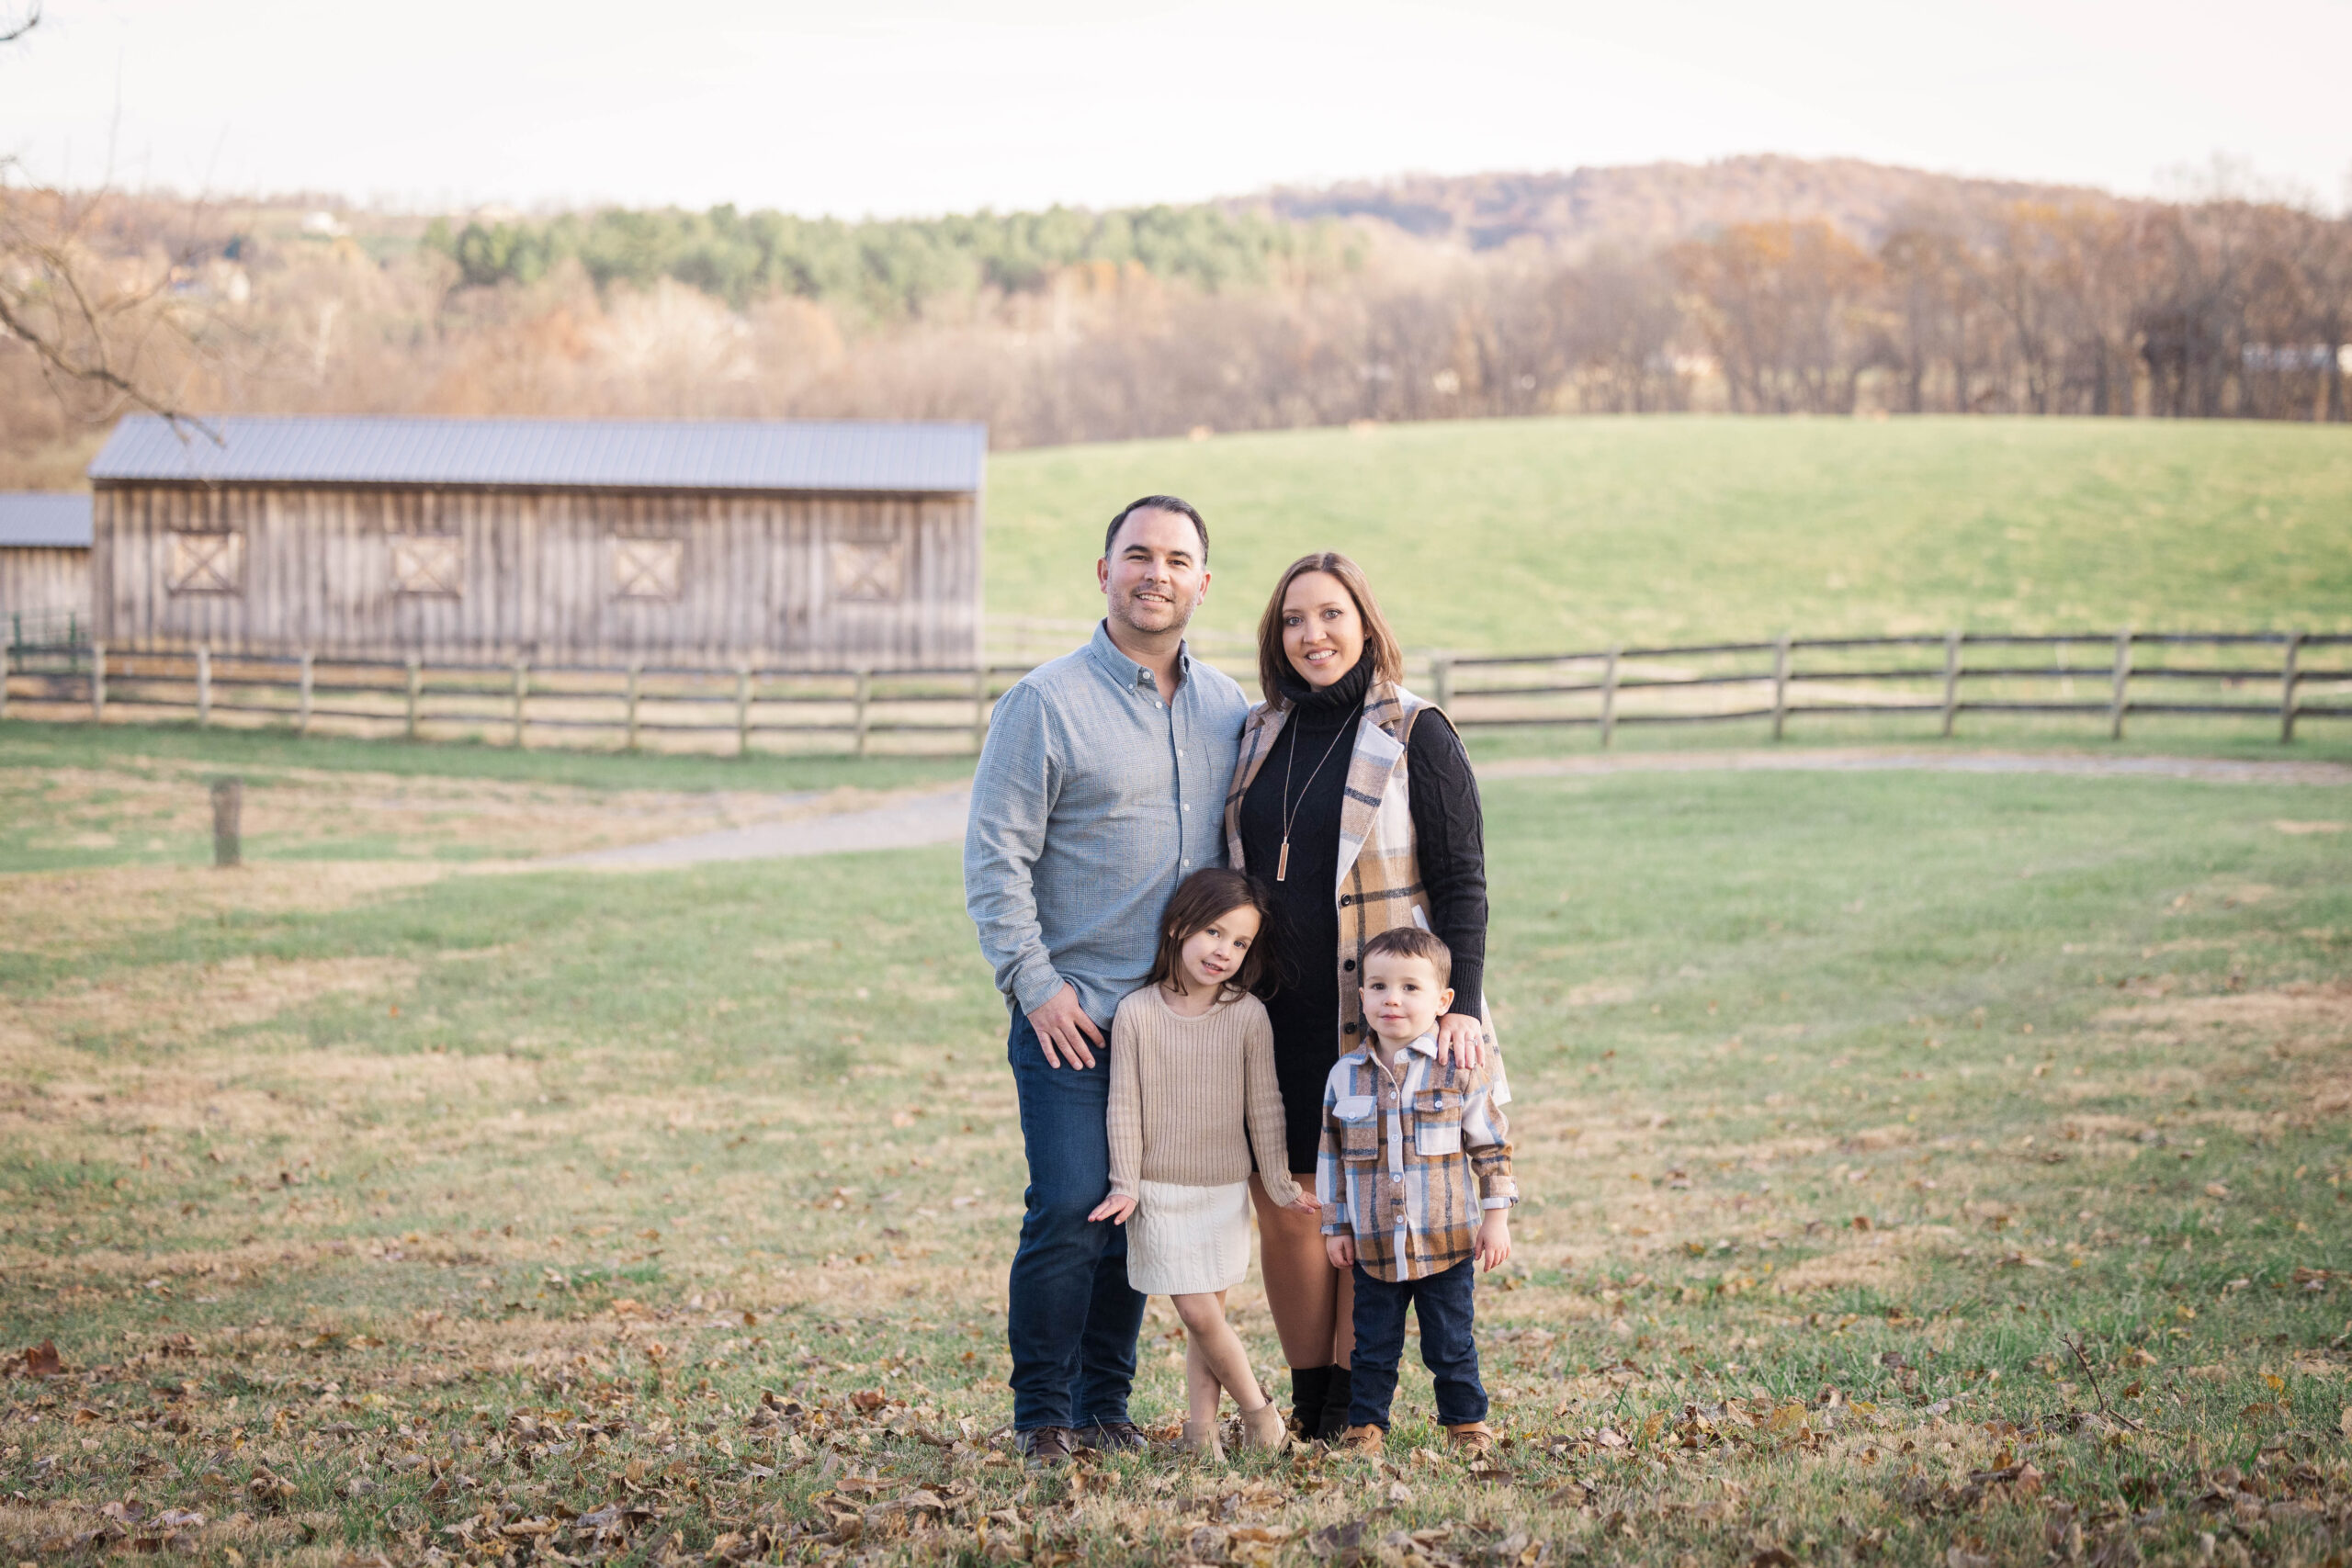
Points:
[(2287, 677)]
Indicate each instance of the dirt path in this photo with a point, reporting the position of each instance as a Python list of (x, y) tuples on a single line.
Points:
[(938, 819)]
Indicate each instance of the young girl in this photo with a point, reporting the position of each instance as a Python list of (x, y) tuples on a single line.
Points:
[(1191, 1073)]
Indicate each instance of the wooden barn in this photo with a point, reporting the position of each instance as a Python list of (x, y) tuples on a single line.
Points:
[(684, 544), (44, 567)]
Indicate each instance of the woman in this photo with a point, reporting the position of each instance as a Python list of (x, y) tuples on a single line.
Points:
[(1337, 733)]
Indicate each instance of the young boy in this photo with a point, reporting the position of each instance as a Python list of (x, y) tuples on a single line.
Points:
[(1415, 1180)]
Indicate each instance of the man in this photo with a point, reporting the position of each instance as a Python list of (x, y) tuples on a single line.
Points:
[(1101, 787)]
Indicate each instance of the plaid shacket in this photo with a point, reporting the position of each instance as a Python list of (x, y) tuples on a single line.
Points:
[(1410, 1161), (1380, 868)]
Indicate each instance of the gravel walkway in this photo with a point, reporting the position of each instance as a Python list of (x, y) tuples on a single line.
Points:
[(938, 819)]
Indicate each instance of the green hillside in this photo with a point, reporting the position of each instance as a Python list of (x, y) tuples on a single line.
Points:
[(1544, 534)]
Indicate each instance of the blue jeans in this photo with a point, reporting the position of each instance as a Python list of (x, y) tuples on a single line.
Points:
[(1072, 1318), (1446, 1305)]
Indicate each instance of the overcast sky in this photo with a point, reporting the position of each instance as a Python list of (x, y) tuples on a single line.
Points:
[(896, 106)]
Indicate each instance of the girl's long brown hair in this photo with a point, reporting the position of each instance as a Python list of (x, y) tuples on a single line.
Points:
[(1203, 900), (1388, 657)]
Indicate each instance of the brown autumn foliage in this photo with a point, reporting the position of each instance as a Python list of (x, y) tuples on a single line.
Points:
[(1979, 301)]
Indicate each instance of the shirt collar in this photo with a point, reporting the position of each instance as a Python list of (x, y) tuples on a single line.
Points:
[(1125, 670), (1426, 1045)]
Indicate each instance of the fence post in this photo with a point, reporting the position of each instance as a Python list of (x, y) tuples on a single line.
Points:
[(203, 685), (415, 690), (228, 806), (1780, 685), (97, 682), (742, 710), (1951, 680), (522, 688), (635, 667), (1609, 696), (6, 655), (2118, 700), (980, 708), (862, 694), (2287, 679), (303, 724), (1441, 681)]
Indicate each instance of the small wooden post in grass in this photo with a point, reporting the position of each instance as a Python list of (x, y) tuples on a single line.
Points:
[(862, 694), (1951, 680), (742, 710), (415, 691), (1780, 685), (2287, 679), (4, 655), (979, 706), (635, 668), (203, 685), (302, 724), (97, 682), (228, 807), (2118, 701), (1441, 682), (1609, 696), (522, 689)]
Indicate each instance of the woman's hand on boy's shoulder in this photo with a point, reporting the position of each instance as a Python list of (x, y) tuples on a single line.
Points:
[(1115, 1209), (1461, 1041), (1307, 1202)]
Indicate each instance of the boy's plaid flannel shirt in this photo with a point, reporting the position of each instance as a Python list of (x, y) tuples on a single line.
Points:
[(1409, 1162)]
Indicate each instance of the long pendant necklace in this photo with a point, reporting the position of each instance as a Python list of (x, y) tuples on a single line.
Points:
[(1290, 812)]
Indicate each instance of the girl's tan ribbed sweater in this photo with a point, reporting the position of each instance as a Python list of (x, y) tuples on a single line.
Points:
[(1190, 1097)]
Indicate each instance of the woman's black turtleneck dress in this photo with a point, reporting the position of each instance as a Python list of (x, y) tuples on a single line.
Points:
[(1304, 998)]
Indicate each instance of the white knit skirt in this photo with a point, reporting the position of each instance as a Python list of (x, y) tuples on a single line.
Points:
[(1188, 1241)]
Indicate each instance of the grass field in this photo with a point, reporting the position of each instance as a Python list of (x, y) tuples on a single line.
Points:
[(382, 1201), (1541, 534)]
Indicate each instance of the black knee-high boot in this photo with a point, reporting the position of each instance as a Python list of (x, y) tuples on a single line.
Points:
[(1336, 1395), (1309, 1391)]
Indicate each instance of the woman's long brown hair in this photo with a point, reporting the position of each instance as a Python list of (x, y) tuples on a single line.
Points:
[(1387, 657), (1201, 900)]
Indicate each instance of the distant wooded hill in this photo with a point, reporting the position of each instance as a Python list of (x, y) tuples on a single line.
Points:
[(1761, 284), (1644, 206)]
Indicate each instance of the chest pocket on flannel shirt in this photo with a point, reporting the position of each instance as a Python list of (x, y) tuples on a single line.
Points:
[(1359, 1118), (1437, 1122)]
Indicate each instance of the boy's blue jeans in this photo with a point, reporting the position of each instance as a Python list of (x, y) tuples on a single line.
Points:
[(1073, 1319), (1446, 1305)]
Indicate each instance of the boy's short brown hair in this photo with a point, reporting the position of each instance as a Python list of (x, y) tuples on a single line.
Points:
[(1412, 941)]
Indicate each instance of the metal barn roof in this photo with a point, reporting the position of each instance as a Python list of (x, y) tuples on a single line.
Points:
[(45, 519), (741, 455)]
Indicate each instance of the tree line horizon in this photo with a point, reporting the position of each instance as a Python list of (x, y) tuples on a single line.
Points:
[(1066, 326)]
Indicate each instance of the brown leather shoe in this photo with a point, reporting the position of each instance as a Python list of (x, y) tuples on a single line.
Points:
[(1046, 1445), (1366, 1439), (1471, 1439), (1110, 1435)]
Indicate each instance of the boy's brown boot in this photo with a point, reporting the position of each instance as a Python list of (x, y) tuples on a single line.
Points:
[(1263, 1429), (1471, 1439), (1364, 1439), (1200, 1437)]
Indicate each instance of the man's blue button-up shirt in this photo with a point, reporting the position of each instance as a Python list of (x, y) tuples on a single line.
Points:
[(1094, 799)]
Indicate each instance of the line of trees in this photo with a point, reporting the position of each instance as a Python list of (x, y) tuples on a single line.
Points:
[(1060, 327)]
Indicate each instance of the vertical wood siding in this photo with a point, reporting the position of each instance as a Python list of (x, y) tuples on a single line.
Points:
[(755, 582), (43, 582)]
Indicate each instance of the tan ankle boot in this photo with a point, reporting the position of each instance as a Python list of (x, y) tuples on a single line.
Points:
[(1263, 1429), (1200, 1438)]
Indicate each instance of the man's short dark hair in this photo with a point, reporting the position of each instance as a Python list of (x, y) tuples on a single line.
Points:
[(1412, 941), (1175, 504)]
